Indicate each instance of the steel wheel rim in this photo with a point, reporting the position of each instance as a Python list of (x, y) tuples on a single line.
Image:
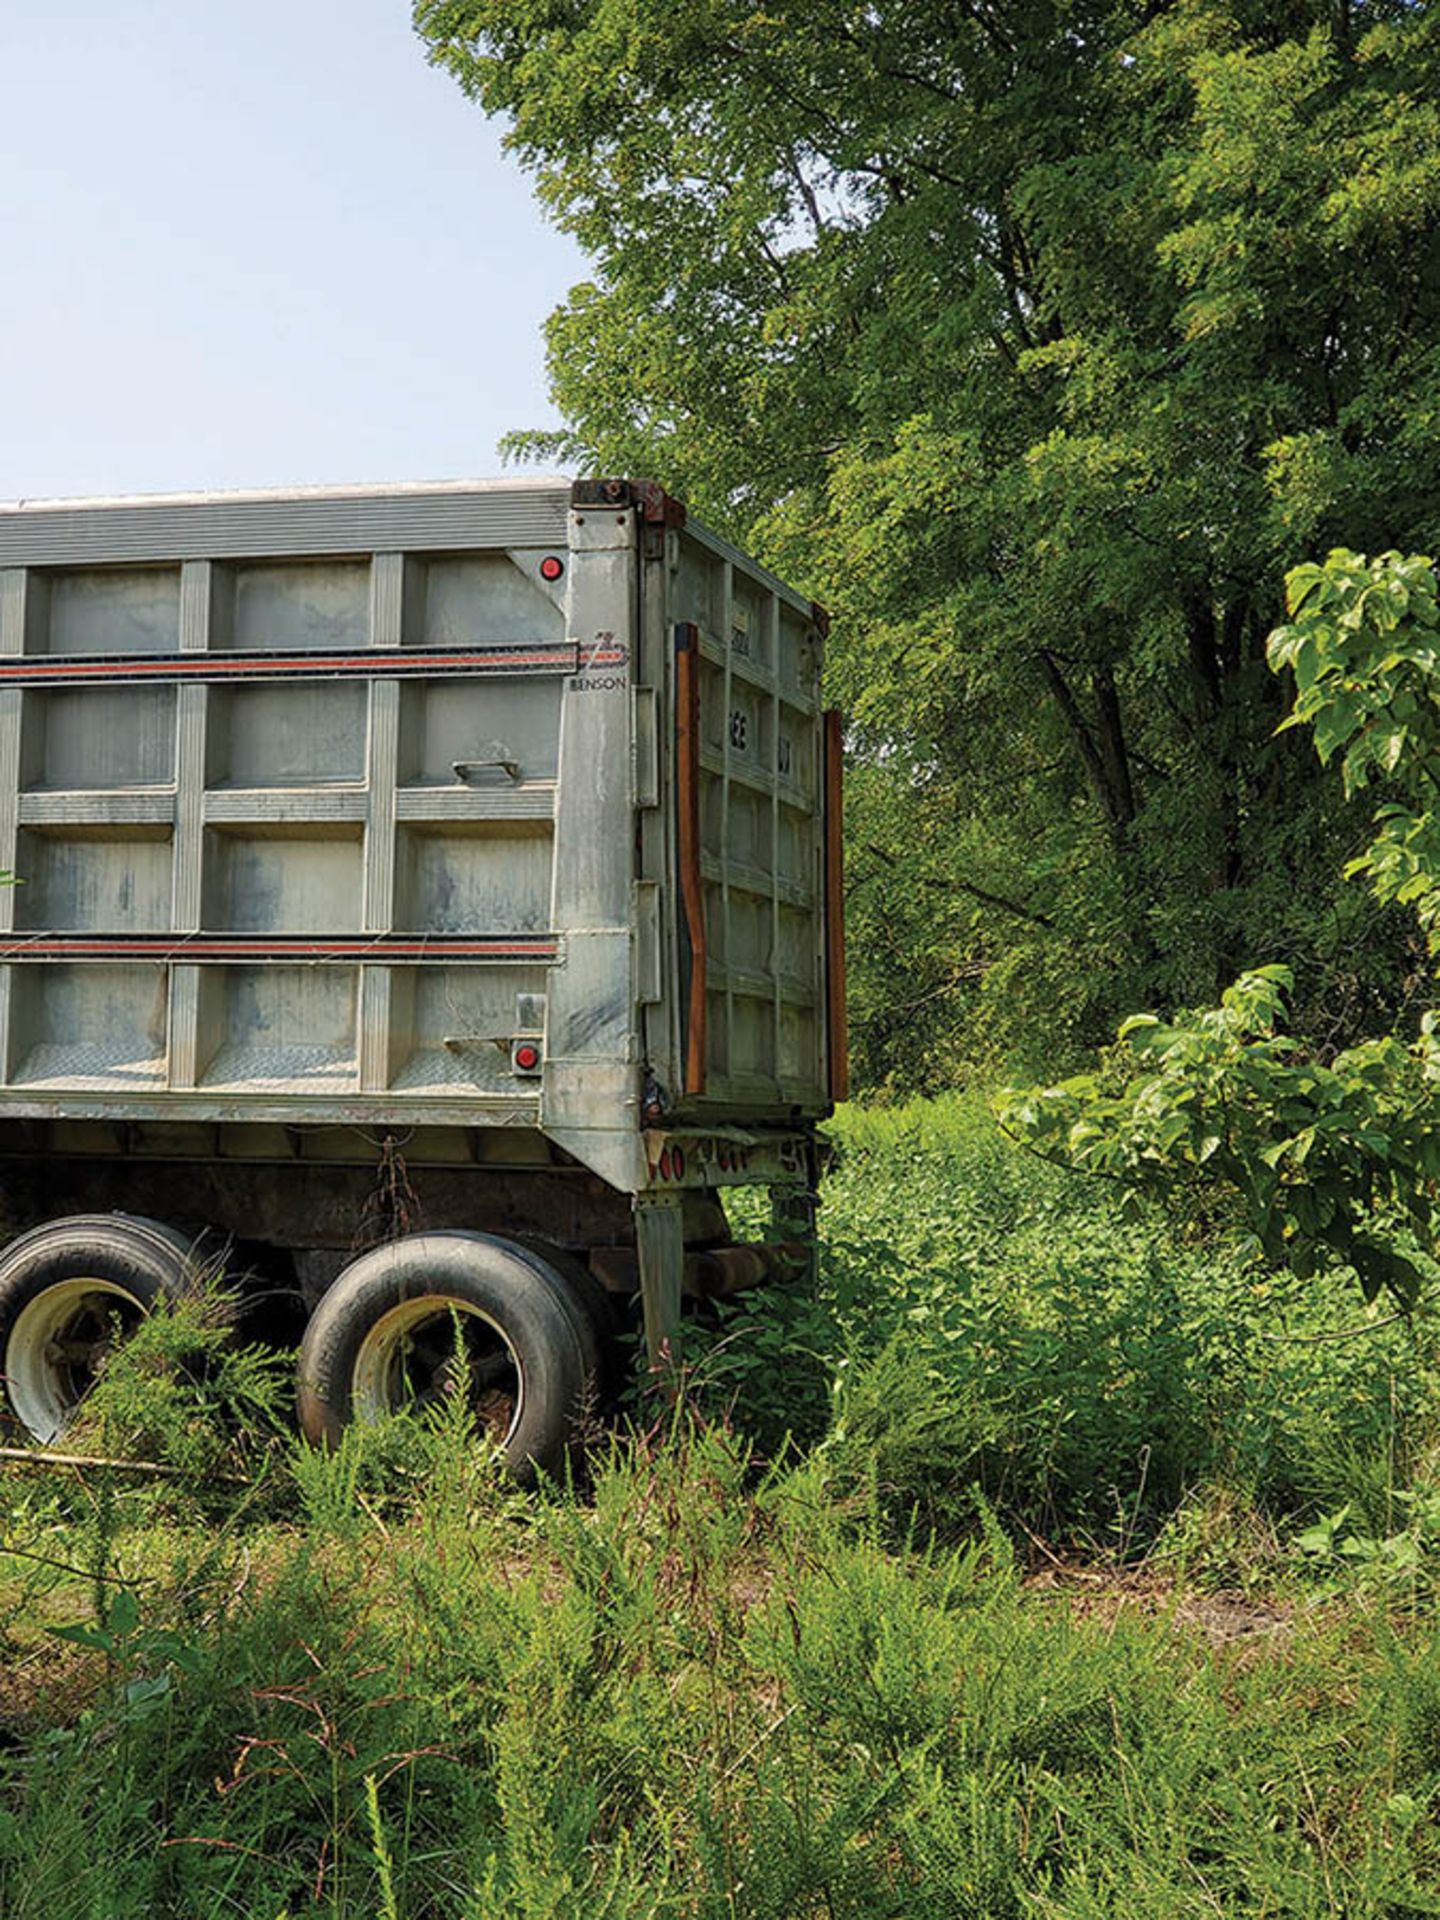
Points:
[(57, 1347), (405, 1356)]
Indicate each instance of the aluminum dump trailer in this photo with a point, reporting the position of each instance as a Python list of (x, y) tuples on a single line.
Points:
[(426, 899)]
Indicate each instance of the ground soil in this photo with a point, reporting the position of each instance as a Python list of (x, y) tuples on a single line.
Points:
[(1225, 1617)]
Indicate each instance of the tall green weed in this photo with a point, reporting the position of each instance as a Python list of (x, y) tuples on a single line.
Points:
[(710, 1696)]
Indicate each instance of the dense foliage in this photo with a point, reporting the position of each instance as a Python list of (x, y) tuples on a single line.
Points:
[(988, 1321), (382, 1684), (1335, 1162), (1037, 340)]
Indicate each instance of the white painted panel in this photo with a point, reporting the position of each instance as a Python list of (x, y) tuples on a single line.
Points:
[(442, 722), (96, 882), (799, 1038), (115, 610), (98, 737), (302, 604), (278, 1027), (75, 1026), (452, 1027), (287, 736), (485, 597), (279, 880), (799, 961), (474, 878)]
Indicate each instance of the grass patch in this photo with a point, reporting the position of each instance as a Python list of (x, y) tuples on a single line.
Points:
[(1090, 1583), (698, 1695)]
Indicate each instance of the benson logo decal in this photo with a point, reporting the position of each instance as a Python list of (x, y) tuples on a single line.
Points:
[(602, 667)]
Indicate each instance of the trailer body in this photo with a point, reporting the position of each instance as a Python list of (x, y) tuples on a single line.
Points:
[(449, 856)]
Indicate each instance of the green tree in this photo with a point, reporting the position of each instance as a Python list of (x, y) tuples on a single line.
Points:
[(1036, 339)]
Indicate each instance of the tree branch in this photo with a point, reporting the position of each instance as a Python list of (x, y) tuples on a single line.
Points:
[(1007, 906), (1110, 742), (1085, 743), (989, 899)]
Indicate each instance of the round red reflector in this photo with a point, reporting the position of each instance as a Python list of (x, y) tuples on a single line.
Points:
[(527, 1057), (551, 567)]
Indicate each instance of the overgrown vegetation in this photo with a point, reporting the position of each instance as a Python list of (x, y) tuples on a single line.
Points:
[(1098, 1579), (1103, 1376)]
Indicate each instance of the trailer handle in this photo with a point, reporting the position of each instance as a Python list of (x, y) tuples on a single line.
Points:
[(463, 769)]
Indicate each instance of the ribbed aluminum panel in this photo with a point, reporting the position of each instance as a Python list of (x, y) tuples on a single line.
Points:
[(723, 550), (248, 526)]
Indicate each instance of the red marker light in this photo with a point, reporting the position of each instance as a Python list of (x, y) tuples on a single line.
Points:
[(551, 567), (665, 1163), (679, 1163), (527, 1057)]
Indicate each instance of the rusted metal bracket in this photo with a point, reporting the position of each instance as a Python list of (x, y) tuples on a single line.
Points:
[(837, 1037), (660, 1262), (656, 507)]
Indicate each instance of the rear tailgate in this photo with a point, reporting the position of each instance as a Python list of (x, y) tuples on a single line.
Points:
[(761, 1016)]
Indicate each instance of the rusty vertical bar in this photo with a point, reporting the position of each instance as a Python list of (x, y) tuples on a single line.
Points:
[(660, 1247), (692, 892), (837, 1047)]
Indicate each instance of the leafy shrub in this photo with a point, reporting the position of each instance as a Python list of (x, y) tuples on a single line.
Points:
[(184, 1392), (1333, 1161)]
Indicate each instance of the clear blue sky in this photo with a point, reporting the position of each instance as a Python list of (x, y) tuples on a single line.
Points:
[(256, 245)]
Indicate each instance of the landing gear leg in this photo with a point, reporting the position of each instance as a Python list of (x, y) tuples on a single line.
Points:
[(794, 1213), (660, 1244)]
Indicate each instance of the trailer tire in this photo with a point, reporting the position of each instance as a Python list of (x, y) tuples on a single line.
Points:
[(597, 1314), (63, 1286), (383, 1339)]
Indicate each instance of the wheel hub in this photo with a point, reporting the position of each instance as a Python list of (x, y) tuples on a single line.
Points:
[(58, 1348), (427, 1350)]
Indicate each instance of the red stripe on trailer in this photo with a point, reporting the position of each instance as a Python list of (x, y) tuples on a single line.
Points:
[(178, 947), (278, 666)]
